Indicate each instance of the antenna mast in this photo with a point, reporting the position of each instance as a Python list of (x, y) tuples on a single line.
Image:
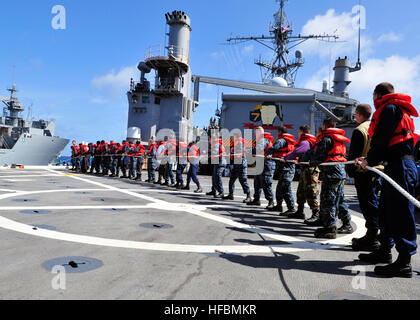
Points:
[(281, 41)]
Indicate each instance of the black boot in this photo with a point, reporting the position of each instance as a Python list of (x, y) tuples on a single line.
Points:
[(271, 205), (229, 197), (211, 193), (180, 186), (400, 268), (256, 203), (377, 257), (315, 220), (187, 187), (346, 228), (276, 208), (248, 198), (299, 214), (219, 195), (289, 212), (326, 233), (199, 190), (368, 243)]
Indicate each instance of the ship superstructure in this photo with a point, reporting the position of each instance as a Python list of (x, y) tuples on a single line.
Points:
[(168, 104)]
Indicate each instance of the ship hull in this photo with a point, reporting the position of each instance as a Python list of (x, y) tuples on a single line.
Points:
[(33, 151)]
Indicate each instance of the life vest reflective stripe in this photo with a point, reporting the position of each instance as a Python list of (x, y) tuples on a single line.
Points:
[(307, 137), (339, 151), (234, 149), (406, 128), (291, 143)]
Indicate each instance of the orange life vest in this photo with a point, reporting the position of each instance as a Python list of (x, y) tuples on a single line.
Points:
[(193, 153), (181, 149), (291, 143), (149, 152), (234, 149), (339, 151), (172, 148), (406, 128)]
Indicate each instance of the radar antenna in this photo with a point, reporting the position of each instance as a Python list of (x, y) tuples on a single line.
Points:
[(282, 41)]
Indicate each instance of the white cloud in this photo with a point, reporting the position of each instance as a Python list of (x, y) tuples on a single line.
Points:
[(402, 72), (114, 84), (390, 37), (333, 23)]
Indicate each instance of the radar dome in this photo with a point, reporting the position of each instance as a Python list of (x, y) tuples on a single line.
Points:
[(279, 82)]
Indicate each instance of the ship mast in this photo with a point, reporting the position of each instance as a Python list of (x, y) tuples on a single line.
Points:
[(281, 40)]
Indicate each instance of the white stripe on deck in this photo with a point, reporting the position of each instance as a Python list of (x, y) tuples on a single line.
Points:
[(296, 245)]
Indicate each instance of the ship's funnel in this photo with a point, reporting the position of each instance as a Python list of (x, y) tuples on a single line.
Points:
[(342, 77), (179, 35)]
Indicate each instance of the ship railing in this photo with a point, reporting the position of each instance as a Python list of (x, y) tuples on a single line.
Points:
[(178, 53)]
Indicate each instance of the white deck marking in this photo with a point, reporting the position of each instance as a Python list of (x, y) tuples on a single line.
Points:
[(296, 245)]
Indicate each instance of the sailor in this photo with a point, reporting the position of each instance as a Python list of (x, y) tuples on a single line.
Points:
[(366, 182), (331, 147), (285, 171), (263, 182), (194, 161), (182, 162), (112, 153), (160, 156), (83, 164), (152, 163), (124, 158), (170, 153), (308, 183), (218, 164), (74, 152), (132, 161), (238, 168), (139, 156), (97, 157), (392, 133), (106, 160), (90, 156)]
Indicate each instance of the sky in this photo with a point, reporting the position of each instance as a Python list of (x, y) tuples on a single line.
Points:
[(79, 75)]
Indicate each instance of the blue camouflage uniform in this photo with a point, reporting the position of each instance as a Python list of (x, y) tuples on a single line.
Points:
[(218, 165), (264, 181), (239, 170), (333, 179), (286, 173)]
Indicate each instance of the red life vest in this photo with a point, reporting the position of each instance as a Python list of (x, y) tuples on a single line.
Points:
[(140, 148), (221, 148), (270, 138), (406, 128), (193, 153), (291, 143), (234, 149), (83, 149), (339, 151), (113, 147), (172, 148), (104, 147), (149, 152), (308, 137), (181, 149)]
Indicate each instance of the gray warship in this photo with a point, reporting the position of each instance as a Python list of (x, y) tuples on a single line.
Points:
[(171, 103), (26, 142)]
